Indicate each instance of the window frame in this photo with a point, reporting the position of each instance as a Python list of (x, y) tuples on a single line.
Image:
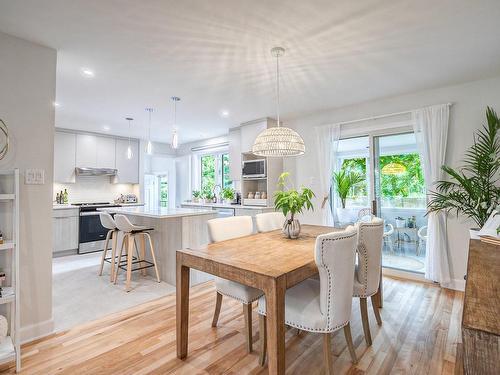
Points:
[(219, 168)]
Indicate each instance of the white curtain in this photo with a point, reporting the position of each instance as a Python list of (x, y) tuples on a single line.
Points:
[(327, 140), (431, 130)]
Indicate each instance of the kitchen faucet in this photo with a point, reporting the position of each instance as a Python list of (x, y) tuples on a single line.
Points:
[(216, 192)]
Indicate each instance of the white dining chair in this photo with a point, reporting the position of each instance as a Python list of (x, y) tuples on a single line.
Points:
[(324, 305), (269, 221), (223, 229), (388, 232), (422, 239), (368, 270)]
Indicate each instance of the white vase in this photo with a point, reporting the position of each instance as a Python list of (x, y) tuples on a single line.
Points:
[(344, 215)]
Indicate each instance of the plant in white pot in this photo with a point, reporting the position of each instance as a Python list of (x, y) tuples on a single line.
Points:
[(290, 201), (228, 195), (196, 196), (473, 190), (344, 181)]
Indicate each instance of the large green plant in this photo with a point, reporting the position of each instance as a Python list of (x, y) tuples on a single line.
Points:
[(345, 180), (473, 190), (289, 200)]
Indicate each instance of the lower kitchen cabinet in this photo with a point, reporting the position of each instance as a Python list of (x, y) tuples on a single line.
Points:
[(65, 230)]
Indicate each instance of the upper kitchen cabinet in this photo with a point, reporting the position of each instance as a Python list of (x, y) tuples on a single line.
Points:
[(94, 151), (128, 169), (234, 139), (250, 131), (64, 157)]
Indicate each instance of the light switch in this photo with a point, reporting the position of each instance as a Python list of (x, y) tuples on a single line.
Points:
[(34, 177)]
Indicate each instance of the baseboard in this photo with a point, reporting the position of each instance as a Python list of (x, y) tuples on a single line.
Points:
[(36, 331), (456, 284)]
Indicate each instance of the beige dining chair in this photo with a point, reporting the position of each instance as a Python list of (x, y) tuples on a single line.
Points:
[(367, 271), (223, 229), (269, 221), (324, 305)]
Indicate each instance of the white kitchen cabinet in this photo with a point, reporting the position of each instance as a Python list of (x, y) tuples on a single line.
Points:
[(65, 230), (234, 139), (128, 169), (86, 151), (106, 152), (64, 157), (249, 132)]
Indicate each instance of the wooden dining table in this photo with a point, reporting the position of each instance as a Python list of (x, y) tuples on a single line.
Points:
[(266, 261)]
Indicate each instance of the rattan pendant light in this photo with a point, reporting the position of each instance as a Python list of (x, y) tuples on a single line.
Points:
[(278, 141)]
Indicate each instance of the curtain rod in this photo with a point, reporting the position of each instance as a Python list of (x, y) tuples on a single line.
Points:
[(209, 147), (381, 116)]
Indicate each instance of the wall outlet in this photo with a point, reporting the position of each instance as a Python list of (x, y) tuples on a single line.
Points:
[(34, 177)]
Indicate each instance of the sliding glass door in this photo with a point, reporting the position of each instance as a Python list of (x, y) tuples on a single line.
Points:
[(392, 188)]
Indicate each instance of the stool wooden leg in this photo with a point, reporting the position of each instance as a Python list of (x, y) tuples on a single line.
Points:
[(105, 251), (130, 254), (153, 255), (124, 244), (142, 253), (114, 244)]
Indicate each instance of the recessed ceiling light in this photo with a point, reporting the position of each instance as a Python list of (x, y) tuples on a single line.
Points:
[(224, 113), (106, 128), (56, 104), (87, 72)]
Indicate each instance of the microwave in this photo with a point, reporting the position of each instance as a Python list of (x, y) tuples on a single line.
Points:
[(254, 168)]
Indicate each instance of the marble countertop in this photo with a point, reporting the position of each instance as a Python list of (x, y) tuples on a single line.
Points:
[(156, 212), (224, 205), (70, 206)]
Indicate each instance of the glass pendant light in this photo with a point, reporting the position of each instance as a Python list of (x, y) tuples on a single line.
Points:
[(175, 136), (279, 140), (130, 154), (149, 146)]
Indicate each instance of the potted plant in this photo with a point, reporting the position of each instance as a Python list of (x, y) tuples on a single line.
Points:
[(228, 195), (290, 201), (206, 194), (196, 196), (400, 222), (344, 181), (473, 190)]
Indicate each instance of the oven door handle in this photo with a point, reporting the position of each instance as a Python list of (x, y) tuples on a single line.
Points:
[(93, 213)]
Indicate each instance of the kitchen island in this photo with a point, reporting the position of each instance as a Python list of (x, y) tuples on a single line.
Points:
[(174, 229)]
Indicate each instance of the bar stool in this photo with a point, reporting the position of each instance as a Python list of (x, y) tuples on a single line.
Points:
[(108, 223), (130, 232)]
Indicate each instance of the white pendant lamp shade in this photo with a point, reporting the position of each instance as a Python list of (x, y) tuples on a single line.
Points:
[(278, 141), (130, 154), (175, 136)]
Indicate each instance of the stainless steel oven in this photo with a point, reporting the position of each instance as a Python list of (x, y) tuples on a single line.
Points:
[(92, 234)]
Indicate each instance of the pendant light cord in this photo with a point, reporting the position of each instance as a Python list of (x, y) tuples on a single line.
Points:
[(149, 128), (278, 87)]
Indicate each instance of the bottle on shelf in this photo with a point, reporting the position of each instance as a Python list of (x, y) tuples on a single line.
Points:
[(65, 196), (58, 198), (1, 237)]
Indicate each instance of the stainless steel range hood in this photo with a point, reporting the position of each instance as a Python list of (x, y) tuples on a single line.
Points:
[(88, 172)]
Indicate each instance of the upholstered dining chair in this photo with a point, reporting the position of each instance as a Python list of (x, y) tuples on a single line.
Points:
[(322, 306), (365, 214), (367, 271), (223, 229), (269, 221)]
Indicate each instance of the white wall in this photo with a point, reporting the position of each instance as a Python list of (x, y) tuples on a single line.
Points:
[(27, 91), (467, 114)]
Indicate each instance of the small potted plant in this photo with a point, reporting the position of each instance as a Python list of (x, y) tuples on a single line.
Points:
[(344, 181), (400, 222), (196, 196), (290, 201), (228, 195), (207, 194)]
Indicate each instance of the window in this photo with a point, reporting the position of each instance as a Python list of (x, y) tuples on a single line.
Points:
[(163, 191), (215, 171)]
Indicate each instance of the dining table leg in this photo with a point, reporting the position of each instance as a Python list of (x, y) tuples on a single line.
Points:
[(275, 316), (182, 308)]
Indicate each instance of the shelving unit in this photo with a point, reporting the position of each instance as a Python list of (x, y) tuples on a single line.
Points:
[(10, 348), (268, 184)]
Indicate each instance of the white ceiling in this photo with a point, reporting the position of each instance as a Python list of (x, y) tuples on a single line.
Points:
[(215, 55)]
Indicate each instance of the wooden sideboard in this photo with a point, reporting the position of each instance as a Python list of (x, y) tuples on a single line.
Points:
[(481, 314)]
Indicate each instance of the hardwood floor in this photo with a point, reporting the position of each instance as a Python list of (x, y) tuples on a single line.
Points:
[(419, 335)]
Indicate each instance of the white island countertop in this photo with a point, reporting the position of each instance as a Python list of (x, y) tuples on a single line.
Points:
[(225, 205), (156, 212)]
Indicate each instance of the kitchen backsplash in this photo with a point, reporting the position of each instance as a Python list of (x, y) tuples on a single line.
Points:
[(95, 189)]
